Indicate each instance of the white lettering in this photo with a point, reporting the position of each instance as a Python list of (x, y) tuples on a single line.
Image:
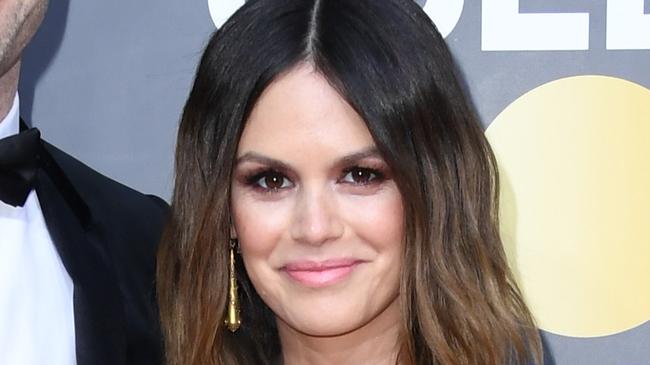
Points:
[(505, 29), (444, 13), (221, 10), (627, 26)]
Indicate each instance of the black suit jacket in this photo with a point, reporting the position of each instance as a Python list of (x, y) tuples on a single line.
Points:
[(107, 235)]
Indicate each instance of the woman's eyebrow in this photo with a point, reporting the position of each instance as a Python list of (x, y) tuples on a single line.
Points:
[(261, 159), (368, 152)]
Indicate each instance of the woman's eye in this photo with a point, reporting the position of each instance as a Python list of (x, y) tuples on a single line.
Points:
[(272, 181), (361, 176)]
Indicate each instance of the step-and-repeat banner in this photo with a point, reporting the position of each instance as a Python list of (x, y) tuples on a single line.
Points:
[(561, 87)]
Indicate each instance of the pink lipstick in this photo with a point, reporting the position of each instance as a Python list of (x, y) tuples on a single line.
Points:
[(319, 274)]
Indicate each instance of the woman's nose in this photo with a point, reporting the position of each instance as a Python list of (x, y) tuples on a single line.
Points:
[(316, 218)]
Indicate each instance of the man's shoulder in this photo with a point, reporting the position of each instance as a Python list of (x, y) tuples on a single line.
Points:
[(125, 226), (108, 200)]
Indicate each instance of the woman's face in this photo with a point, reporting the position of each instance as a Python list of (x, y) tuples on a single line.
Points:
[(316, 211)]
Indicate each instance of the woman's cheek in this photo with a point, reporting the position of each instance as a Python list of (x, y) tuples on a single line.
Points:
[(377, 219), (259, 225)]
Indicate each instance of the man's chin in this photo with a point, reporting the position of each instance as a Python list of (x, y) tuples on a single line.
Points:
[(6, 65), (17, 27)]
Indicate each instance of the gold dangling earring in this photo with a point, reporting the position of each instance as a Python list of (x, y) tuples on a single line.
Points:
[(233, 319)]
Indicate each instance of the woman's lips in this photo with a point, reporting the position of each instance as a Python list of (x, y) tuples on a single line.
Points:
[(319, 274)]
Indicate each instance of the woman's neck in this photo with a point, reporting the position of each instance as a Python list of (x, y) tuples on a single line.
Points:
[(376, 343)]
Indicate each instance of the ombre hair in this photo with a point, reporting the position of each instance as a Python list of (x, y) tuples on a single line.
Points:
[(459, 303)]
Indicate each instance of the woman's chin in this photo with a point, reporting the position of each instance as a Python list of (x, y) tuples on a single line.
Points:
[(323, 324), (336, 314)]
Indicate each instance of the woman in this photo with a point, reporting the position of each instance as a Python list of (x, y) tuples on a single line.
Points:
[(328, 153)]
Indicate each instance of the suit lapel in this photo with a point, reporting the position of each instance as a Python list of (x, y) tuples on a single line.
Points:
[(98, 311)]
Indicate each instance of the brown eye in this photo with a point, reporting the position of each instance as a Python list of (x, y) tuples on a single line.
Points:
[(360, 176), (272, 180)]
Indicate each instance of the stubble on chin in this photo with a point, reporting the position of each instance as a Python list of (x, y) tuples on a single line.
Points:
[(18, 23)]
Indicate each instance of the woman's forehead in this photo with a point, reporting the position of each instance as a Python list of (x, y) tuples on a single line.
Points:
[(301, 113)]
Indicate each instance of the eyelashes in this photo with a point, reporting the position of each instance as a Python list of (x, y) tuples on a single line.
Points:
[(269, 180), (272, 180), (362, 176)]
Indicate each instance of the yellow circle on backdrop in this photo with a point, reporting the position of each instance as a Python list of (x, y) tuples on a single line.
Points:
[(574, 158)]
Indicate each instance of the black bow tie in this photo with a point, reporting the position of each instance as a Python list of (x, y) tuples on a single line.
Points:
[(18, 166)]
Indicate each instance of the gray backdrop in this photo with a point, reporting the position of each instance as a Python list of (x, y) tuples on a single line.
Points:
[(106, 81)]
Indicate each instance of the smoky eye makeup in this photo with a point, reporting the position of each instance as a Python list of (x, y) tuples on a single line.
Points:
[(361, 175), (357, 173), (269, 179), (264, 179), (364, 176)]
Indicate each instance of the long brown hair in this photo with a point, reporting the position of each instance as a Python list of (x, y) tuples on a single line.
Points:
[(459, 302)]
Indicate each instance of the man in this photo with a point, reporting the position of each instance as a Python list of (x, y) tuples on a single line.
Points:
[(76, 248)]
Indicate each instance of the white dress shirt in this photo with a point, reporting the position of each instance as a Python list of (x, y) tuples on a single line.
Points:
[(36, 306)]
